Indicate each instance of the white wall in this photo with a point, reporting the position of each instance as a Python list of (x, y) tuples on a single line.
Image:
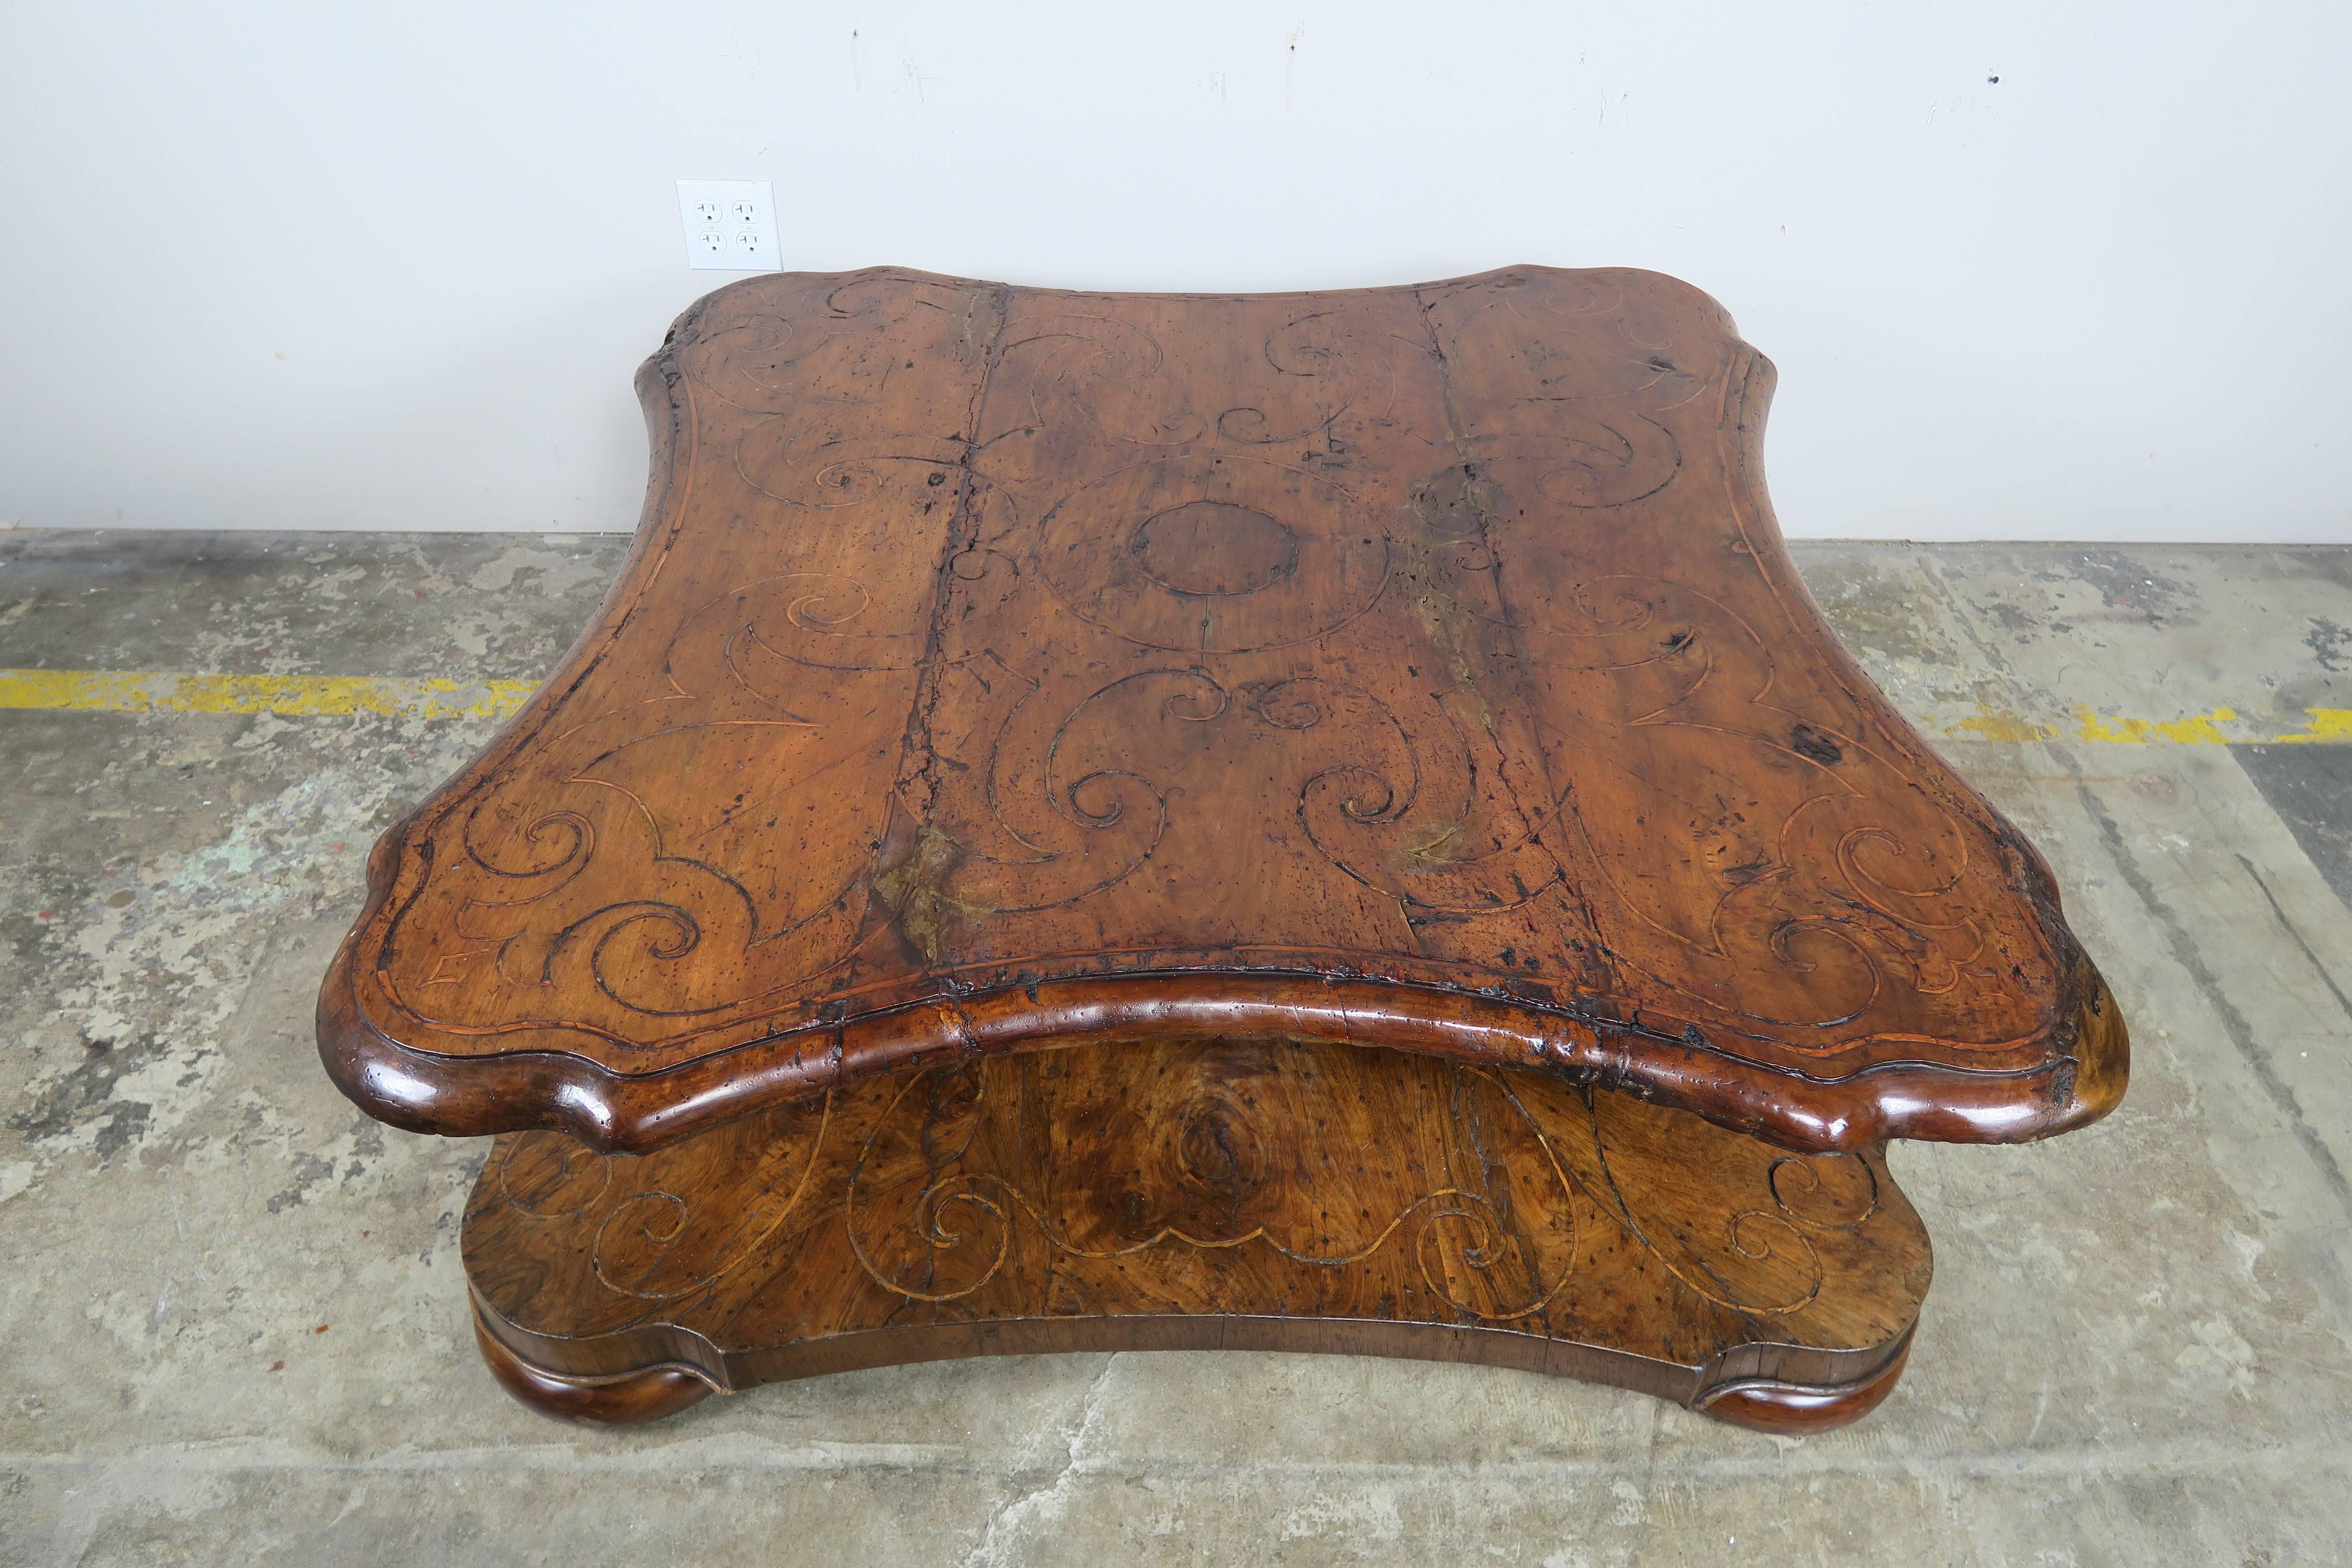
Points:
[(2104, 297)]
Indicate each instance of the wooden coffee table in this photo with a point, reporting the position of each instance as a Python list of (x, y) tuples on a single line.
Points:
[(1316, 821)]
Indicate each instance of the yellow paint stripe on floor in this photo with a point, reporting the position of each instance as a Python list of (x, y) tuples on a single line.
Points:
[(2326, 726), (293, 696), (331, 695)]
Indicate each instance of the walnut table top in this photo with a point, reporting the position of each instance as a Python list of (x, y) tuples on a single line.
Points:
[(1415, 666)]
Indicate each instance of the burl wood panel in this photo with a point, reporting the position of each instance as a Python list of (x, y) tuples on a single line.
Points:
[(1413, 667), (1120, 1196)]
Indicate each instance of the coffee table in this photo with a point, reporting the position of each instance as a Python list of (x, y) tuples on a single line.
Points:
[(1319, 821)]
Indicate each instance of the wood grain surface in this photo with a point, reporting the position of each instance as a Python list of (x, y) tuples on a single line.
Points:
[(1123, 1195), (1411, 666)]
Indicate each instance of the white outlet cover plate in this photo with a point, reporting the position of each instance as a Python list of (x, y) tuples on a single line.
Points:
[(731, 225)]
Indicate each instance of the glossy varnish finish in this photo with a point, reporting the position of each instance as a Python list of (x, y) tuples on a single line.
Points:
[(1124, 1197), (1412, 666)]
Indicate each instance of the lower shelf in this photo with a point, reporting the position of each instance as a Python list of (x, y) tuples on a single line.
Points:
[(1235, 1196)]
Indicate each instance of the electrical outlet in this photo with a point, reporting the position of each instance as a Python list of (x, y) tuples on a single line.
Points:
[(731, 225)]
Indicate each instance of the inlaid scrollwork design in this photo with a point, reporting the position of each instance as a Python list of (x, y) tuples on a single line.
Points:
[(1468, 1259), (772, 458), (920, 1224), (770, 360), (655, 1245), (1426, 815), (1333, 368), (551, 1178), (1824, 1192), (798, 622), (1053, 806), (1099, 371), (740, 701), (649, 858), (1762, 1257), (1575, 458), (1818, 867), (1248, 1178), (749, 362), (645, 1242), (929, 1220), (929, 1193), (1604, 338)]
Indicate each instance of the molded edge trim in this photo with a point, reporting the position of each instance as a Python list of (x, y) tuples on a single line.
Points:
[(617, 1113), (661, 1388)]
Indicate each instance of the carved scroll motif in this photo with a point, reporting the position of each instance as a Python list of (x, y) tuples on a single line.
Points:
[(1762, 860), (669, 843), (1425, 817), (649, 1243), (761, 685), (777, 361), (1223, 1158), (1053, 805), (929, 1222), (1323, 370), (1764, 1256), (1102, 372), (1786, 849)]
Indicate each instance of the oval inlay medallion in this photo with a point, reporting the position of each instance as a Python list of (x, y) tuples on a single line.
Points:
[(1213, 548)]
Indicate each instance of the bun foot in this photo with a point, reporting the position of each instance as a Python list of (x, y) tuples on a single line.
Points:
[(1798, 1410), (625, 1399)]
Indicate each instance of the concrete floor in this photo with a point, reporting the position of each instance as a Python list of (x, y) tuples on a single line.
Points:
[(232, 1319)]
